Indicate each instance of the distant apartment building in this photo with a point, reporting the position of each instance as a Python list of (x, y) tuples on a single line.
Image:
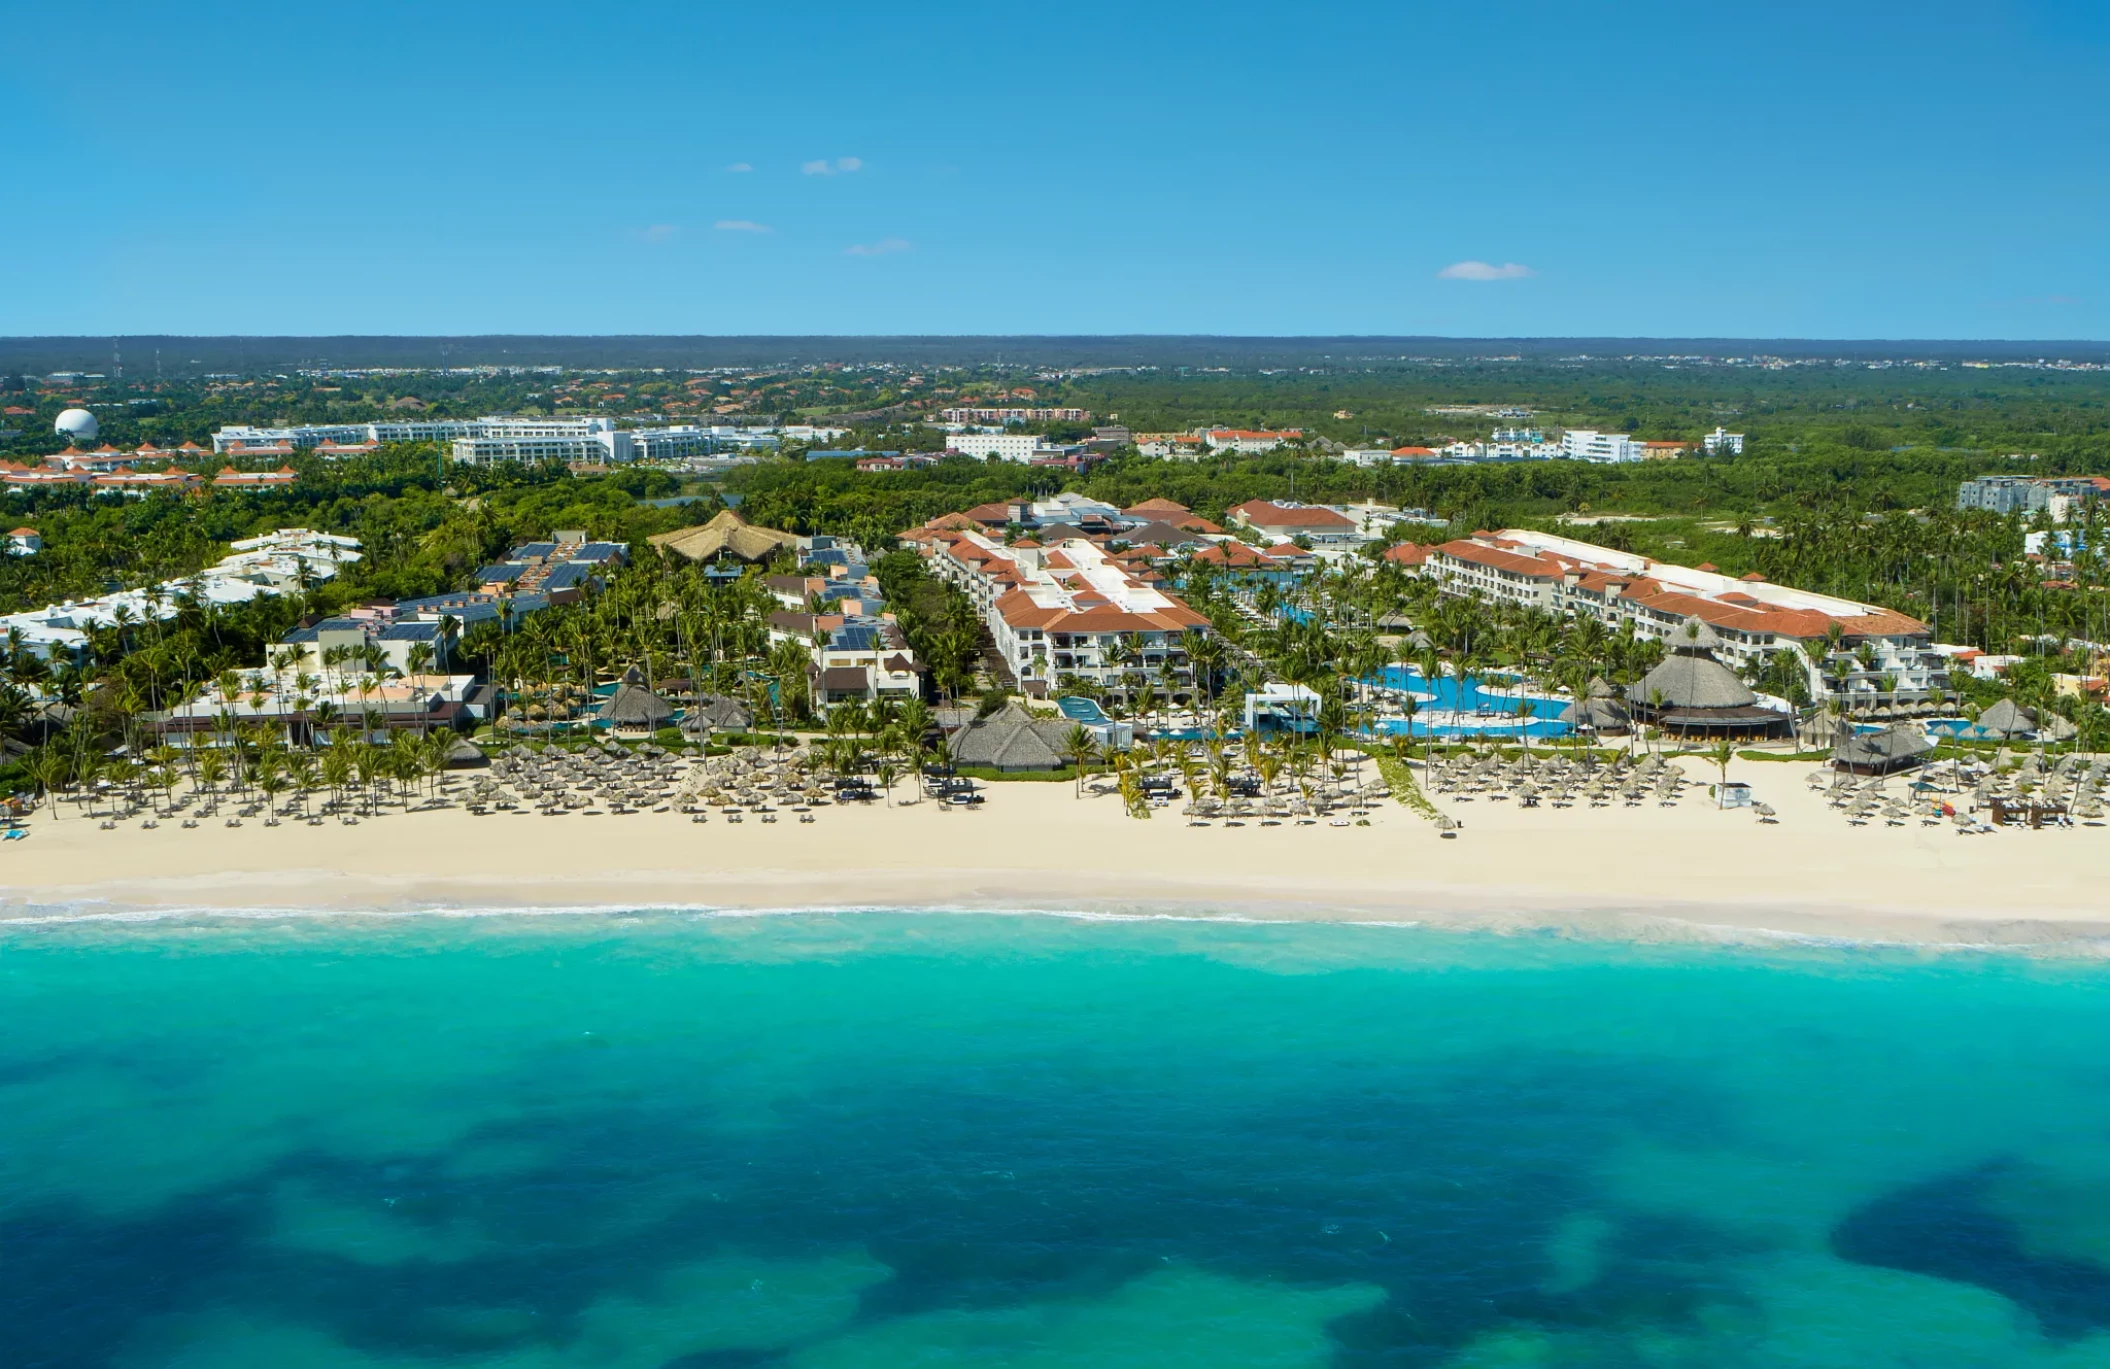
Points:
[(1587, 444), (1002, 415), (1248, 441), (1719, 442), (1019, 447), (488, 440), (2058, 496), (1180, 446)]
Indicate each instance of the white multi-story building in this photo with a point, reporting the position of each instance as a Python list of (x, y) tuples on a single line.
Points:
[(1250, 442), (1587, 444), (499, 437), (1719, 441), (1020, 447), (999, 415), (1071, 609), (274, 563), (1753, 617)]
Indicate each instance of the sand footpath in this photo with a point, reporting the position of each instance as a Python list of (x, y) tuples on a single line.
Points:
[(1688, 871)]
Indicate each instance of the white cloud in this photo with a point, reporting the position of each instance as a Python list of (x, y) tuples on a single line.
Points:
[(1480, 270), (849, 164), (742, 226), (883, 247), (824, 167), (658, 232), (739, 166)]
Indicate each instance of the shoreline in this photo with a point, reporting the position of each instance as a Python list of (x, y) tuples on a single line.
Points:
[(1690, 873)]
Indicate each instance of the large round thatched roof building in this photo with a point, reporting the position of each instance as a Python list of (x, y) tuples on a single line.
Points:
[(1692, 693), (635, 707)]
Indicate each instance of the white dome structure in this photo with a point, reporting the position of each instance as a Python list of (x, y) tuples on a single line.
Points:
[(78, 424)]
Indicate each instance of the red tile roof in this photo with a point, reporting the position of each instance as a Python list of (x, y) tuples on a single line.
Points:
[(1262, 513)]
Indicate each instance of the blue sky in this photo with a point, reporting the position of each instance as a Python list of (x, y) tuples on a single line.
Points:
[(1835, 170)]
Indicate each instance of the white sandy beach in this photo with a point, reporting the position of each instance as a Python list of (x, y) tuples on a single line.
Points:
[(1687, 871)]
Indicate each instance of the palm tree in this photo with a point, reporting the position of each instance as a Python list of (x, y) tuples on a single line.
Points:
[(49, 768), (1079, 747), (1721, 753)]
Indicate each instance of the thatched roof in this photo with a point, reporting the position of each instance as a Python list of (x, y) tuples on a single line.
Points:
[(1693, 635), (633, 705), (465, 754), (2007, 719), (1896, 746), (1822, 729), (1011, 739), (728, 534), (1690, 680), (1601, 714), (717, 713)]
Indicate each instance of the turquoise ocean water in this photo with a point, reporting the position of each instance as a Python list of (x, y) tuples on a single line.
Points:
[(682, 1142)]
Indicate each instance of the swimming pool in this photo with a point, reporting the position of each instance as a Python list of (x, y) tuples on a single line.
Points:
[(1470, 707)]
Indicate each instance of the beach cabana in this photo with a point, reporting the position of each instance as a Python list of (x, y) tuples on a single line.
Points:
[(1900, 746), (2007, 719), (1011, 739), (633, 707), (1822, 729), (715, 713), (1600, 711), (466, 755), (1692, 694)]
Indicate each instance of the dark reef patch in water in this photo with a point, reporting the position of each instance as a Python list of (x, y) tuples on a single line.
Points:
[(1443, 1186), (1946, 1229)]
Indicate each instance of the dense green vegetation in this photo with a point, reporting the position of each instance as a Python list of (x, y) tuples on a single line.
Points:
[(1847, 485)]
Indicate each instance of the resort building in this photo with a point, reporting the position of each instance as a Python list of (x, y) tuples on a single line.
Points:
[(1019, 447), (1750, 618), (274, 563), (306, 705), (1719, 443), (1587, 444), (372, 639), (1070, 608), (565, 566), (2010, 494), (969, 415), (483, 441), (231, 479), (1324, 527), (1249, 442)]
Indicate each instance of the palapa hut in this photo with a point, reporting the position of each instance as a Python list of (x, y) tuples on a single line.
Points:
[(1897, 747), (727, 535), (1822, 729), (1694, 695), (2010, 721), (633, 707), (466, 755), (1011, 739), (715, 713), (1600, 711)]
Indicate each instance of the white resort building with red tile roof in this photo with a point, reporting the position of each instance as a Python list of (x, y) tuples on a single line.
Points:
[(1751, 617), (1071, 608)]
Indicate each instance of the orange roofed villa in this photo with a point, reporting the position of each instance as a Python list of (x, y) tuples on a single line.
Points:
[(1072, 608), (1751, 618)]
